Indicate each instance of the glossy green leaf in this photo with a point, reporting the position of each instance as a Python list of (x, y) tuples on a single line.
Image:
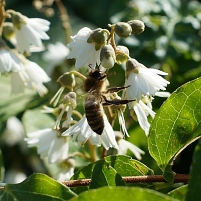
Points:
[(176, 125), (194, 186), (179, 193), (123, 165), (105, 175), (38, 187), (122, 194)]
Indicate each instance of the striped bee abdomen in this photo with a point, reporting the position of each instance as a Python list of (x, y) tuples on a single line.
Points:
[(93, 111)]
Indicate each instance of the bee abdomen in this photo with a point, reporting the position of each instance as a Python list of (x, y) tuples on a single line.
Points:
[(93, 111)]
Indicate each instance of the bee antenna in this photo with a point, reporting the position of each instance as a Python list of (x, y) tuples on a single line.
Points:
[(90, 66)]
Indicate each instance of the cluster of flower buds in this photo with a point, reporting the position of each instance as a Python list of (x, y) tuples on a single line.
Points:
[(97, 47)]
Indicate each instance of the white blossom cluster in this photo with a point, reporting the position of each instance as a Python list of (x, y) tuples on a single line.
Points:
[(89, 48), (26, 35)]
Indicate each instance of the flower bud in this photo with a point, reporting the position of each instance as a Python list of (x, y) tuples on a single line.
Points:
[(122, 54), (132, 65), (8, 30), (18, 19), (137, 26), (122, 29), (107, 56), (99, 37), (67, 80), (70, 99)]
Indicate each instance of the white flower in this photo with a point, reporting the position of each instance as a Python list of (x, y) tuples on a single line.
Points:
[(14, 176), (14, 132), (142, 80), (49, 144), (9, 60), (64, 174), (142, 109), (56, 54), (65, 170), (29, 31), (81, 132), (124, 146), (31, 76), (82, 51)]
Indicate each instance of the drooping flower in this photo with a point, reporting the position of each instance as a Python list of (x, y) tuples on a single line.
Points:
[(85, 49), (140, 111), (81, 132), (143, 81), (29, 31), (31, 76), (9, 60), (65, 170), (125, 145), (14, 132), (49, 144), (56, 54)]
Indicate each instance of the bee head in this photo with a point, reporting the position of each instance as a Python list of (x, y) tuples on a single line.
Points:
[(96, 74)]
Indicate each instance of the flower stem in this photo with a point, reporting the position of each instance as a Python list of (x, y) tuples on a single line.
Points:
[(132, 179), (78, 74), (2, 15), (65, 19)]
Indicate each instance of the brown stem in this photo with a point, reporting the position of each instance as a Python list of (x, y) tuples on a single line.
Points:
[(2, 15), (65, 19), (132, 179)]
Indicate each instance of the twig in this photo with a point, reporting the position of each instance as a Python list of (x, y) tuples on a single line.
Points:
[(65, 19), (132, 179)]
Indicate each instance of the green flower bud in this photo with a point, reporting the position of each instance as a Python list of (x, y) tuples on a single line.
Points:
[(107, 56), (18, 19), (122, 29), (8, 30), (67, 80), (70, 99), (99, 37), (132, 65), (137, 26), (122, 54)]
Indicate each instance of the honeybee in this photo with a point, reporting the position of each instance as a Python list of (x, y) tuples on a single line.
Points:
[(96, 88)]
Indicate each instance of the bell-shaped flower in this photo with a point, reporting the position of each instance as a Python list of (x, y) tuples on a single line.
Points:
[(143, 81), (84, 50), (49, 144), (81, 132), (29, 31), (31, 76), (9, 60)]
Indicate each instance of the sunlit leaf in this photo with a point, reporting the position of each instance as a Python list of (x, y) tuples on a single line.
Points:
[(176, 125), (123, 165), (105, 175), (179, 193), (194, 186), (36, 187), (122, 193)]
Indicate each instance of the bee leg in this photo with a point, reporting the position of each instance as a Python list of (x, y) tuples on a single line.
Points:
[(115, 89), (115, 102)]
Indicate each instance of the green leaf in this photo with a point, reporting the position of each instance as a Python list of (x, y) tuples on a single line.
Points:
[(122, 193), (123, 165), (36, 187), (176, 125), (179, 193), (194, 184), (105, 175)]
